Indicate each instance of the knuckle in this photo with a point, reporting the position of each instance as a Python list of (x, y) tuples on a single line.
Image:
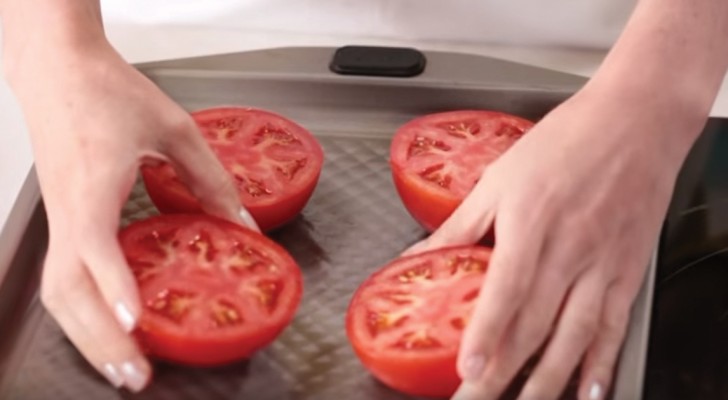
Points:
[(585, 326), (180, 123), (532, 334), (515, 288), (56, 291), (615, 320), (587, 227), (180, 133)]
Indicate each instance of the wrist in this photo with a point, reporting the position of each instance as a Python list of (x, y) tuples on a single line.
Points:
[(661, 96), (69, 30), (656, 117), (668, 65)]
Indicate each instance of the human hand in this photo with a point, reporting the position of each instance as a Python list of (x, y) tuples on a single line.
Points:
[(577, 205), (93, 120)]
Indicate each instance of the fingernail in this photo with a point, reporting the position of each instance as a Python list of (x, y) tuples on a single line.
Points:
[(595, 391), (125, 317), (474, 366), (135, 377), (248, 220), (113, 375)]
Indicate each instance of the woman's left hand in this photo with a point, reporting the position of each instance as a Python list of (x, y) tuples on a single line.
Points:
[(577, 206)]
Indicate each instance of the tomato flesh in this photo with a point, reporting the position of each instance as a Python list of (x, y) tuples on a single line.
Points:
[(212, 292), (437, 159), (405, 321), (274, 162)]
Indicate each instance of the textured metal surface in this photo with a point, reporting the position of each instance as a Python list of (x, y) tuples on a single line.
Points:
[(353, 224)]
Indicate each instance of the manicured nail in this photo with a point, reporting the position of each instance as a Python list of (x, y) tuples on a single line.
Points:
[(595, 391), (113, 375), (134, 376), (125, 317), (474, 366), (248, 220)]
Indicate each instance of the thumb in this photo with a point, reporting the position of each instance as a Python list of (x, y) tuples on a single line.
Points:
[(466, 225), (202, 173)]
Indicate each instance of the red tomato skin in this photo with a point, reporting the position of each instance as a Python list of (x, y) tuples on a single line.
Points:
[(160, 343), (434, 211), (428, 377), (433, 376), (168, 201), (268, 216), (195, 352), (430, 209)]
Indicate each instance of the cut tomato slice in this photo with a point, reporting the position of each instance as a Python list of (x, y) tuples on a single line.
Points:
[(437, 159), (212, 292), (405, 322), (274, 162)]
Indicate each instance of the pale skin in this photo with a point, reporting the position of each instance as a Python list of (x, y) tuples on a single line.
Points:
[(577, 203)]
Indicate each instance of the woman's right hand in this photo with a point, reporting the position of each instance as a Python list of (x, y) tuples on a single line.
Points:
[(93, 120)]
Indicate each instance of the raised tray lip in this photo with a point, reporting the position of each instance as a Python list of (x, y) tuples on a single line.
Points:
[(14, 228), (447, 69), (629, 380)]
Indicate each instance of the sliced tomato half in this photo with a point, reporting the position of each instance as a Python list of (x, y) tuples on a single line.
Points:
[(275, 163), (405, 322), (437, 159), (212, 292)]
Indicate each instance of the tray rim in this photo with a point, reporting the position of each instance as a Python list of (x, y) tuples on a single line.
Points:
[(29, 201)]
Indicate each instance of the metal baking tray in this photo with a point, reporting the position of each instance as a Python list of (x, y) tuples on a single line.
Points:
[(353, 224)]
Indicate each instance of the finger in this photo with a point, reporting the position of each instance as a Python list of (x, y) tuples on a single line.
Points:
[(528, 333), (601, 357), (201, 171), (71, 297), (576, 329), (504, 290), (467, 224), (95, 237)]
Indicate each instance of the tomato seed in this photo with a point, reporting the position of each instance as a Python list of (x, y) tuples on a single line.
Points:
[(381, 321), (417, 340), (421, 145), (400, 298), (157, 241), (202, 245), (418, 273), (268, 293), (256, 188), (246, 259), (466, 264), (172, 304), (461, 129), (143, 270), (278, 135), (435, 174), (224, 313), (290, 168), (509, 131)]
